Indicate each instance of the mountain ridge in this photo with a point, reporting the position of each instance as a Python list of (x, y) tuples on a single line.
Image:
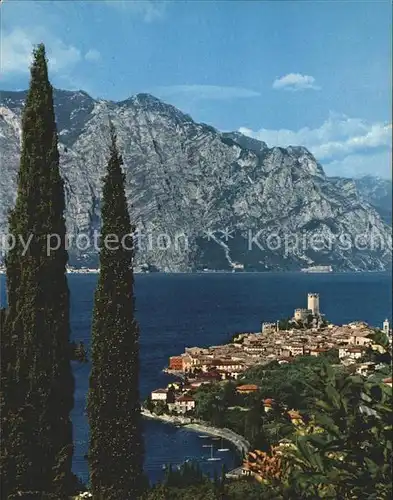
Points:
[(185, 177)]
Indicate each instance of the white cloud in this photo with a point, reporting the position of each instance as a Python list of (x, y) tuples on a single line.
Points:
[(16, 50), (149, 10), (61, 56), (340, 143), (375, 163), (294, 82), (17, 46), (92, 55), (206, 92)]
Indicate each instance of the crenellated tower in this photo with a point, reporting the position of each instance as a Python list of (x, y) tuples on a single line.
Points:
[(313, 303)]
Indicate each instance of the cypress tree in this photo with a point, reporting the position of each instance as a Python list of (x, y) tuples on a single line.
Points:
[(38, 391), (116, 445)]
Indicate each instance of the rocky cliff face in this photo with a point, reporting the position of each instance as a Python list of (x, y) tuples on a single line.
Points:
[(200, 199), (377, 192)]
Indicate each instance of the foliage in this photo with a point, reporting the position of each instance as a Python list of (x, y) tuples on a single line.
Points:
[(222, 406), (341, 444), (3, 312), (78, 352), (339, 447), (116, 443), (160, 407), (383, 349), (250, 490), (184, 482), (148, 404), (381, 339), (37, 382), (171, 395), (287, 324), (188, 473), (289, 384), (380, 374), (331, 356), (236, 338), (210, 405), (348, 453), (277, 425), (189, 483), (193, 492)]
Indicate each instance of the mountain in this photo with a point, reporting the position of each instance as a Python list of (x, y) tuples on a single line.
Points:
[(201, 199), (377, 192)]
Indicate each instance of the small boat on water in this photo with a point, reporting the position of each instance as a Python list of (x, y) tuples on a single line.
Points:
[(212, 458), (203, 437), (222, 449)]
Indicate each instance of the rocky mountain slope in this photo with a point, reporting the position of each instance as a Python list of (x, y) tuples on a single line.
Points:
[(200, 199), (377, 192)]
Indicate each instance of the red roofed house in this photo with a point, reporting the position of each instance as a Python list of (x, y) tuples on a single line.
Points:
[(246, 389), (176, 363), (268, 404), (387, 381)]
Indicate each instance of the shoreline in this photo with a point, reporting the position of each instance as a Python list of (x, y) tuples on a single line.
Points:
[(277, 271), (241, 444)]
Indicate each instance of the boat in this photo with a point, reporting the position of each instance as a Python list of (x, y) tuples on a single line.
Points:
[(213, 459), (203, 437), (222, 449)]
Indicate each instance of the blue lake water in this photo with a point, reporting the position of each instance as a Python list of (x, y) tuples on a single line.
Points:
[(180, 310)]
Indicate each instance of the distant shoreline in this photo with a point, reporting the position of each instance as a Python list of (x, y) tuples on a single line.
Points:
[(277, 271)]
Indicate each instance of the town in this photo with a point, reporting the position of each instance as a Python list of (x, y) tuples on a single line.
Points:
[(306, 333)]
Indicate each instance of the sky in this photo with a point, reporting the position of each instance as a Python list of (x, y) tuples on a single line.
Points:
[(311, 73)]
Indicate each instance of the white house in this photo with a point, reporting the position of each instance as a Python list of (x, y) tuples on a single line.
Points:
[(228, 365), (355, 352), (360, 338), (365, 368), (350, 352), (184, 403), (159, 395)]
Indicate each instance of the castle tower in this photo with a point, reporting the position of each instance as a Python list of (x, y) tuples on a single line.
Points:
[(313, 303), (386, 326)]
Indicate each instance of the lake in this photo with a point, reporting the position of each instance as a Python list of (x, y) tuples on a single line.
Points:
[(180, 310)]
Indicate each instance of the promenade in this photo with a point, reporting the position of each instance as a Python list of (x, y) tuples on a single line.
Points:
[(242, 445)]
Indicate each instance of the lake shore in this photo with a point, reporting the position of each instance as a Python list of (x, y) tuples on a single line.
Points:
[(241, 444)]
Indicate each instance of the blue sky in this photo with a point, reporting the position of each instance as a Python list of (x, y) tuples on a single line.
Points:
[(316, 73)]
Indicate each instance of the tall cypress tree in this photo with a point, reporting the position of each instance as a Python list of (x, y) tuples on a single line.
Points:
[(116, 446), (39, 386)]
